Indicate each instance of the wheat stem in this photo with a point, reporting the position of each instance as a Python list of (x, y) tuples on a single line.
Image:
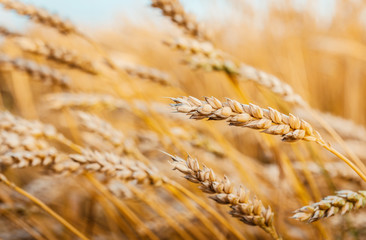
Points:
[(43, 206)]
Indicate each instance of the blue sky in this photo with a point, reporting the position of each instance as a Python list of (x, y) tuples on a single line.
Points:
[(98, 13)]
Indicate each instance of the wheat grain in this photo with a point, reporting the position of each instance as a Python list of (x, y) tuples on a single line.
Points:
[(174, 10), (40, 16), (59, 54), (194, 47), (13, 142), (23, 159), (249, 211), (342, 203), (111, 165), (269, 120), (36, 71), (23, 127), (346, 128)]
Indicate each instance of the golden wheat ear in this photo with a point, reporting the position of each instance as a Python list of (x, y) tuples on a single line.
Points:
[(249, 210), (344, 202), (269, 121)]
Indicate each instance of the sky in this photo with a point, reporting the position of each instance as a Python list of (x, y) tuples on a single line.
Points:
[(92, 12), (98, 13)]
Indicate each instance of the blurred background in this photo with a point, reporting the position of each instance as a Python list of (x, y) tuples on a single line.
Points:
[(317, 47)]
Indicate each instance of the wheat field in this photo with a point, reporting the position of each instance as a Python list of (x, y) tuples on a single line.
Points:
[(181, 127)]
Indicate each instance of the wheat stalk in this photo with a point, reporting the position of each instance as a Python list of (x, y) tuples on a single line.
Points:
[(249, 211), (39, 203), (342, 203), (59, 54), (40, 16), (174, 10), (35, 70), (270, 121)]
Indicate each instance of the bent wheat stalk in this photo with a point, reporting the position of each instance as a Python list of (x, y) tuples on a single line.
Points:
[(249, 211), (270, 121), (35, 200), (342, 203)]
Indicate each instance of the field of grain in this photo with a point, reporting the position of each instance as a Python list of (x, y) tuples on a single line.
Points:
[(170, 127)]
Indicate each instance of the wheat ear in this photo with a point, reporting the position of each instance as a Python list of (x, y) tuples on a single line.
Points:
[(221, 61), (270, 121), (84, 100), (109, 164), (148, 73), (342, 203), (252, 116), (205, 56), (35, 70), (57, 54), (40, 16), (100, 127), (249, 211), (174, 10)]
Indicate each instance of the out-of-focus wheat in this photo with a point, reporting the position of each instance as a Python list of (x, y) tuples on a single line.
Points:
[(148, 73), (84, 100), (7, 33), (57, 53), (35, 70), (40, 15)]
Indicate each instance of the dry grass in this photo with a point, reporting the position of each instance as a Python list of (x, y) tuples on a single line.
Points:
[(83, 148)]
